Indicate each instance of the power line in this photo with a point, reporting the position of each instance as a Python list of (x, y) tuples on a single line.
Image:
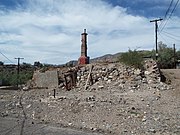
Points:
[(168, 9), (170, 37), (174, 8), (170, 34), (169, 16), (164, 39), (6, 57)]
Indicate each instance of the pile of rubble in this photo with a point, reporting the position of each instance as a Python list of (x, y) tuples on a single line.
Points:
[(119, 75), (98, 76)]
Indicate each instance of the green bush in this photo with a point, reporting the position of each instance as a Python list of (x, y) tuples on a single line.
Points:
[(132, 58), (11, 78), (166, 56)]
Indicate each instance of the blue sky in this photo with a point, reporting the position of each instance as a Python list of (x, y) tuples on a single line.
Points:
[(49, 30)]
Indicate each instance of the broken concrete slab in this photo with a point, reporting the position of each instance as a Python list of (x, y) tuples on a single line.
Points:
[(48, 79)]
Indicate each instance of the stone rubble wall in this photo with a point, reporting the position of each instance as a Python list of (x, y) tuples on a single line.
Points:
[(101, 76), (120, 75)]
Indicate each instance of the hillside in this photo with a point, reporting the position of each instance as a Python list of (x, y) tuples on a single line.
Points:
[(109, 58), (106, 58)]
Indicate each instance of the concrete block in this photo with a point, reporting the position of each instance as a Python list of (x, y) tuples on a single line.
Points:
[(48, 79)]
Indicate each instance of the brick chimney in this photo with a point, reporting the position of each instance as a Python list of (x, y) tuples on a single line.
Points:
[(84, 59)]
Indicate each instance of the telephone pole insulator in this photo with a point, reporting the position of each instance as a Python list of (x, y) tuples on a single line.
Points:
[(156, 28)]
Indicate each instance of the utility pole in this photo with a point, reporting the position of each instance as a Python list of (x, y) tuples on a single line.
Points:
[(174, 52), (18, 69), (156, 28)]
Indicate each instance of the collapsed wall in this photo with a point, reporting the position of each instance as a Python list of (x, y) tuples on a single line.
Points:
[(104, 75), (98, 75)]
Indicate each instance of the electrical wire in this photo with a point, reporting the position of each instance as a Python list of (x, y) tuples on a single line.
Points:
[(170, 37), (174, 8), (169, 16), (167, 12), (164, 38), (6, 57), (170, 5), (170, 34)]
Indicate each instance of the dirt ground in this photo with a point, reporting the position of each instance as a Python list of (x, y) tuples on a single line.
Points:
[(13, 126), (173, 78), (111, 109)]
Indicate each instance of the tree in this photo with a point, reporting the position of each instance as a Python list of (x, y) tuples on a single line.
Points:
[(1, 63), (166, 56), (26, 65), (38, 64), (8, 76)]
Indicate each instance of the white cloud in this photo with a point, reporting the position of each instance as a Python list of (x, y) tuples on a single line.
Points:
[(49, 30)]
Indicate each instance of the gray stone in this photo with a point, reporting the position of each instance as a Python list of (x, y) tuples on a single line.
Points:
[(137, 78), (152, 130), (28, 106), (105, 78), (4, 114), (116, 73), (108, 81), (101, 87), (110, 77), (18, 105), (147, 73), (83, 69)]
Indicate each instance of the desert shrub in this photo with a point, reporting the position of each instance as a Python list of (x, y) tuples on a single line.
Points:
[(11, 78), (166, 57), (132, 58)]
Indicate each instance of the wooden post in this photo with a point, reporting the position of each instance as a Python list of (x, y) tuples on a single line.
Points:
[(89, 75), (54, 93)]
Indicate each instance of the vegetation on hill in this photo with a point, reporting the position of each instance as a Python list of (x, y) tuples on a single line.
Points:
[(9, 76), (165, 59)]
